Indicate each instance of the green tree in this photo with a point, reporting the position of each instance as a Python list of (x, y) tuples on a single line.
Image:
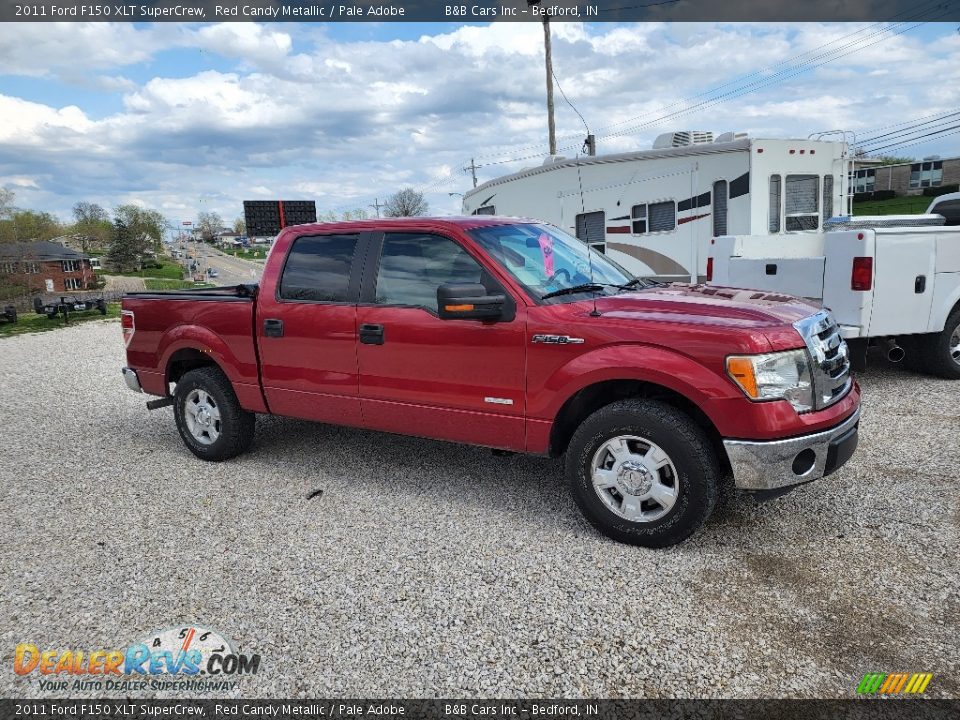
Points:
[(893, 159), (92, 224), (240, 226), (209, 224), (24, 225), (406, 203), (6, 202), (146, 227), (124, 254)]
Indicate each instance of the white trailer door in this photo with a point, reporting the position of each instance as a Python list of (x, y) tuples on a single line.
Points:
[(902, 282)]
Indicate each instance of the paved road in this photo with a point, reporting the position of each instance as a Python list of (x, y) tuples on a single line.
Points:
[(233, 270)]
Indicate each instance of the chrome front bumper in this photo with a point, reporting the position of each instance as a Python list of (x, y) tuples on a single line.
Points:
[(133, 382), (778, 464)]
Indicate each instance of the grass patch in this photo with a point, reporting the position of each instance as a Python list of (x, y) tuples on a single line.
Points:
[(910, 205), (168, 269), (30, 322), (246, 253), (164, 284)]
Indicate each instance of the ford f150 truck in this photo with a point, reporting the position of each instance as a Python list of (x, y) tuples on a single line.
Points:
[(513, 335)]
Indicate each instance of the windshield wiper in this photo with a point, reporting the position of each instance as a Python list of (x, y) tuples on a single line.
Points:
[(586, 287)]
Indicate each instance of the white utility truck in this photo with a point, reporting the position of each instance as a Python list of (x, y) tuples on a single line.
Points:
[(890, 280)]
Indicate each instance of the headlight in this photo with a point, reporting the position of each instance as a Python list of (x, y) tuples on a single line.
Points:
[(774, 376)]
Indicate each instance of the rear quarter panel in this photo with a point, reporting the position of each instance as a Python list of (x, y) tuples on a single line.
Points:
[(221, 328)]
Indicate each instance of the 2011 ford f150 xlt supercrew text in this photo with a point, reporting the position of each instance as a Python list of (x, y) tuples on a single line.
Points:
[(513, 335)]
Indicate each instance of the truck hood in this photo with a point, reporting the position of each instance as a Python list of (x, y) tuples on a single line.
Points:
[(707, 305)]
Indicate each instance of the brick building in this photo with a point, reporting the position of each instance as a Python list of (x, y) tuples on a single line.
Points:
[(904, 178), (44, 267)]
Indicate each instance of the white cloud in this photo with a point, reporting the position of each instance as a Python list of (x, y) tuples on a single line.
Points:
[(298, 113)]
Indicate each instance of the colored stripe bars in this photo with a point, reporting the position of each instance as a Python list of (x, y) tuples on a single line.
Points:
[(894, 683)]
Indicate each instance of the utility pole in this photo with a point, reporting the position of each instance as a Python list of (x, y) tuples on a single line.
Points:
[(376, 205), (472, 167), (551, 126)]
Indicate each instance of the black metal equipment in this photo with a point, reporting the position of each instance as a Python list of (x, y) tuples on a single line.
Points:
[(65, 306), (9, 314)]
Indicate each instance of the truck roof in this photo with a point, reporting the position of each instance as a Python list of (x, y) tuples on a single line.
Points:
[(464, 222)]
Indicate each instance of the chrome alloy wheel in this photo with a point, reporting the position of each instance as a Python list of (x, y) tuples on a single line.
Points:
[(955, 345), (202, 416), (635, 478)]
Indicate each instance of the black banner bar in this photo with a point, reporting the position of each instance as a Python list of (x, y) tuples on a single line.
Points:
[(491, 709), (328, 11)]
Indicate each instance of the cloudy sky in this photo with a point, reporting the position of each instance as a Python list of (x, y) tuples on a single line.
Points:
[(186, 118)]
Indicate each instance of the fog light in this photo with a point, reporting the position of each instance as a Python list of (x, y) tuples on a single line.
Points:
[(804, 462)]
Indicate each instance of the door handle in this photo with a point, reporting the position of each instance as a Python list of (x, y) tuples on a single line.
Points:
[(371, 334), (920, 284), (272, 328)]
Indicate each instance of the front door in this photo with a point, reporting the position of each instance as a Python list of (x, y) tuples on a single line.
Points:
[(460, 380), (307, 333)]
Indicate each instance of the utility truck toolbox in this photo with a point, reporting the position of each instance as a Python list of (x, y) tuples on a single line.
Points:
[(516, 336)]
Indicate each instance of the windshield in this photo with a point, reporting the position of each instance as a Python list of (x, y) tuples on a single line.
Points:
[(544, 259)]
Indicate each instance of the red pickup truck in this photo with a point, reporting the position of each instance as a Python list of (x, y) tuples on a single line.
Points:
[(517, 336)]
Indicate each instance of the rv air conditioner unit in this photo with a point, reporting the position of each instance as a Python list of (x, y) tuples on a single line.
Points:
[(682, 138), (731, 136)]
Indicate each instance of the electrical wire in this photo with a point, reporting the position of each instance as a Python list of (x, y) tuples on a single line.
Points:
[(922, 9)]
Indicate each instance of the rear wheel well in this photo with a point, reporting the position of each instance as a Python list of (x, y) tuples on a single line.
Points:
[(185, 360), (587, 401)]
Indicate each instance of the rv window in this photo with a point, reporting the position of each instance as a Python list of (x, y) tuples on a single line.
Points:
[(720, 208), (654, 217), (592, 227), (663, 216), (827, 196), (802, 202), (774, 203), (485, 210)]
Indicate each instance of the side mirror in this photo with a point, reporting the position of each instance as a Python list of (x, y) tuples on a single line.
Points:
[(468, 301)]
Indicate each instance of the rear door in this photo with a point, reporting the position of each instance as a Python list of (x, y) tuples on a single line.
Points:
[(307, 332), (459, 380)]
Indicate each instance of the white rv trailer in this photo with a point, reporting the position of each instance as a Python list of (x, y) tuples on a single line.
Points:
[(655, 211)]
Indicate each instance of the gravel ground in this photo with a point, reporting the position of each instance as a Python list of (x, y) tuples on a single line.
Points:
[(428, 569)]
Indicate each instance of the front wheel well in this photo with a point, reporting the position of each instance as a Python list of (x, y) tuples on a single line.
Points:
[(185, 360), (588, 400)]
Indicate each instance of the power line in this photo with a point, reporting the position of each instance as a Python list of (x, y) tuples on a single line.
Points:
[(794, 59), (903, 122), (778, 77), (910, 128), (900, 143)]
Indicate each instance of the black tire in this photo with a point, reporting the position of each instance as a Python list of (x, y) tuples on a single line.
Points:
[(934, 351), (686, 445), (236, 426)]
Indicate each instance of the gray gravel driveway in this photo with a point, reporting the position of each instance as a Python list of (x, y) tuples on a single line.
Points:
[(429, 569)]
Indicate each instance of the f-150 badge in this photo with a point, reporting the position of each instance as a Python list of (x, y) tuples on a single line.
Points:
[(557, 340)]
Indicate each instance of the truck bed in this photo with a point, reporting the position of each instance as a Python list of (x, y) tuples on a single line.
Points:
[(169, 326)]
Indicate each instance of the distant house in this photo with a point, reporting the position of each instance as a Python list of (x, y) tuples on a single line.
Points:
[(45, 267)]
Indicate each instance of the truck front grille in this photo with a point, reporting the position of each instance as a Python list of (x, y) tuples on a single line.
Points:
[(829, 355)]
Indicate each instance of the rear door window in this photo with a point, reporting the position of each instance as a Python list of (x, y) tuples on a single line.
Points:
[(319, 269)]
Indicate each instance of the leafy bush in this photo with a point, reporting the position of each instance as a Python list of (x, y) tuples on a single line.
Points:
[(942, 190)]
